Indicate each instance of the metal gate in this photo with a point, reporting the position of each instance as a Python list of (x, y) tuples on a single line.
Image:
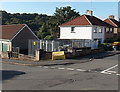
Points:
[(46, 45), (55, 45)]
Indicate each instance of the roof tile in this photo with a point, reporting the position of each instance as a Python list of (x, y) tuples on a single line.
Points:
[(113, 22), (81, 20), (9, 31), (86, 20)]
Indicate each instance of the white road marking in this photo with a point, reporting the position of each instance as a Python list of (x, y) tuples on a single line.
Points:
[(70, 69), (117, 74), (61, 68), (39, 66), (111, 68), (106, 71), (45, 67), (81, 70), (111, 71), (53, 67)]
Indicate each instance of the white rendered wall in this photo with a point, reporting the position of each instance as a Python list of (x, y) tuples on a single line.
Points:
[(84, 33), (80, 33)]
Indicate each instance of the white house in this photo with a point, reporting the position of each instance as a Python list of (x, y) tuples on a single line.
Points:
[(87, 27)]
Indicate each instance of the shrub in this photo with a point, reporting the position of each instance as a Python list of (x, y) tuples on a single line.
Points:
[(109, 40), (106, 46)]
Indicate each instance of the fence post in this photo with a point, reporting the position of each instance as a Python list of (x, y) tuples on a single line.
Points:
[(37, 55), (46, 45), (52, 45), (40, 44)]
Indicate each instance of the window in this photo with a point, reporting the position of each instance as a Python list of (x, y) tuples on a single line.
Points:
[(95, 30), (119, 30), (72, 29), (107, 30), (111, 30), (100, 30)]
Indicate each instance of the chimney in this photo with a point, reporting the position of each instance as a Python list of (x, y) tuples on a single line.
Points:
[(89, 12), (111, 17)]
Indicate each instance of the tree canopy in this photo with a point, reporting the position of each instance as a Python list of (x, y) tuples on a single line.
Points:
[(44, 26), (34, 21), (61, 15)]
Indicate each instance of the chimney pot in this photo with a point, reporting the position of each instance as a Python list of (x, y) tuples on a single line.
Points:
[(111, 17), (89, 12)]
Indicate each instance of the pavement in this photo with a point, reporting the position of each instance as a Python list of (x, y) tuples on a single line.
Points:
[(83, 59)]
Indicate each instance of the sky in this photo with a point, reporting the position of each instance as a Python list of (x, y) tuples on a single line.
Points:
[(100, 9)]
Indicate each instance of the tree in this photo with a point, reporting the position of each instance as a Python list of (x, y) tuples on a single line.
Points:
[(43, 31), (34, 21), (65, 14), (5, 17), (46, 27), (61, 15)]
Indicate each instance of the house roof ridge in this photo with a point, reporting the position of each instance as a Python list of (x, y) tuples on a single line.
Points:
[(87, 19), (9, 31), (76, 21), (70, 20), (102, 21), (113, 22), (17, 33)]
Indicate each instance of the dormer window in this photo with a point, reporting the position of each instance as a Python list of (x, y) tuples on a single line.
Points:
[(72, 29)]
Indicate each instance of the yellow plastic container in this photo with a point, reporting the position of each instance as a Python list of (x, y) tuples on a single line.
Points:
[(58, 55)]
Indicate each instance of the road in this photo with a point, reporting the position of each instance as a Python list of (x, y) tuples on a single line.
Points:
[(98, 74)]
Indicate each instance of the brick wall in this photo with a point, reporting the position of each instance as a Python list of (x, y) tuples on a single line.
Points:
[(48, 55)]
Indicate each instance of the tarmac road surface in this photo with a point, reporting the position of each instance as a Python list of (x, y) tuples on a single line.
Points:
[(98, 74)]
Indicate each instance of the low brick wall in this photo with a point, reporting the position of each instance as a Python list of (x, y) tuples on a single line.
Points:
[(97, 51), (48, 55), (19, 57), (75, 54), (83, 53), (26, 57)]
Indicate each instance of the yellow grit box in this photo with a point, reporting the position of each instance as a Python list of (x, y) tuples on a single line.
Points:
[(58, 55)]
